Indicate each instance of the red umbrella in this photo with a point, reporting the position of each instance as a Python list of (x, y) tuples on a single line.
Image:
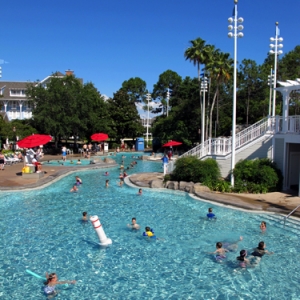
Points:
[(34, 140), (172, 143), (99, 137)]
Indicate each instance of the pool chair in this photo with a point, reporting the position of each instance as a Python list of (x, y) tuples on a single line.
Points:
[(8, 158), (7, 162), (15, 159)]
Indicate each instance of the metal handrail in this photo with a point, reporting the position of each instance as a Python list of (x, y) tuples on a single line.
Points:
[(287, 216)]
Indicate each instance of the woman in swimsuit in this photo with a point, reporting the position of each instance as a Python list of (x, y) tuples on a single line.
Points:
[(51, 283)]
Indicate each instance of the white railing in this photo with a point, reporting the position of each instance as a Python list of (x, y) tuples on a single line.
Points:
[(223, 145), (287, 216)]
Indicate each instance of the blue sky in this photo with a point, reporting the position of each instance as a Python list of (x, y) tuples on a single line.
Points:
[(108, 42)]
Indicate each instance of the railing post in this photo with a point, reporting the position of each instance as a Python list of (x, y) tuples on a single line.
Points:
[(277, 124)]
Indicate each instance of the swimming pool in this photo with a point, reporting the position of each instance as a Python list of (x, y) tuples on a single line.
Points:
[(42, 231)]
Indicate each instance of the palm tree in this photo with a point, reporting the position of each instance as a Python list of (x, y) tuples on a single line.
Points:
[(196, 54), (220, 68), (199, 53)]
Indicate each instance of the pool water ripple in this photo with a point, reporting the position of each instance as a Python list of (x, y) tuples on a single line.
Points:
[(42, 231)]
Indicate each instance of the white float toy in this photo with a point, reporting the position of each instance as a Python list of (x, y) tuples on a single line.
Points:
[(104, 241)]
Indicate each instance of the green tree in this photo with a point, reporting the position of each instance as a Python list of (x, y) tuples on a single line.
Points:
[(125, 118), (198, 55), (135, 88), (167, 80), (220, 69), (66, 107), (249, 84)]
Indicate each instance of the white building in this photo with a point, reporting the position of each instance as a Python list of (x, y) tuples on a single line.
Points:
[(13, 100)]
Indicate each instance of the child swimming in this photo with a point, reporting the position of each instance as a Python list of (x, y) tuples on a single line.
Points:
[(220, 252), (263, 226), (243, 261), (84, 216), (51, 283)]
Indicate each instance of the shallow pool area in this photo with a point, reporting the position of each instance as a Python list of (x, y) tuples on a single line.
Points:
[(42, 231)]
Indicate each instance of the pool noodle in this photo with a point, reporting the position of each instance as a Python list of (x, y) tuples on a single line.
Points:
[(35, 275)]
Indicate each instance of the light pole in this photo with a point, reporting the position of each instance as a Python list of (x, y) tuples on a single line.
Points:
[(148, 99), (270, 83), (168, 99), (203, 90), (14, 144), (235, 34), (275, 52)]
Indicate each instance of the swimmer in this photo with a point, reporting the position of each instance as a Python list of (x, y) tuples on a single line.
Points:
[(106, 174), (220, 251), (263, 226), (261, 250), (51, 282), (140, 192), (107, 183), (121, 176), (84, 216), (71, 162), (78, 162), (121, 183), (78, 180), (125, 174), (74, 189), (210, 214), (243, 261), (148, 232), (134, 224)]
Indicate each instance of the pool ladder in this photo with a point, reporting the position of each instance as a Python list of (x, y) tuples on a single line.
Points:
[(287, 216)]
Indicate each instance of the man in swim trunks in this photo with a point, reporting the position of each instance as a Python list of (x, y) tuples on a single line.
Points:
[(260, 251), (134, 224)]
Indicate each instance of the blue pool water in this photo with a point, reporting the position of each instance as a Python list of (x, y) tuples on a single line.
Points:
[(41, 230)]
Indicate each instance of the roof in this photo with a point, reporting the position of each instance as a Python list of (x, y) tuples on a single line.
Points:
[(6, 86)]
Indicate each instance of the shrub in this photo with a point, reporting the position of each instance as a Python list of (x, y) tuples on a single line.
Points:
[(257, 176), (167, 178), (192, 169)]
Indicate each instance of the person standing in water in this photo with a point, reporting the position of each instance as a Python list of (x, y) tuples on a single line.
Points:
[(134, 224), (263, 226)]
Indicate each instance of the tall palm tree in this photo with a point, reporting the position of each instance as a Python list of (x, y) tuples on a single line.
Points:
[(196, 54), (199, 53), (220, 68)]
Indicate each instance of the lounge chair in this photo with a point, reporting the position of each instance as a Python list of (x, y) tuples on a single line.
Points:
[(15, 159), (7, 161)]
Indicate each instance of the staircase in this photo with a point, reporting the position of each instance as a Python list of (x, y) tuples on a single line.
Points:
[(220, 148), (223, 145)]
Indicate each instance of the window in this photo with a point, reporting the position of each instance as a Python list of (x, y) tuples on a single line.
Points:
[(18, 93)]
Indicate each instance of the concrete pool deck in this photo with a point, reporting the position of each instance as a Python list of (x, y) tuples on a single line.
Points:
[(11, 179)]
